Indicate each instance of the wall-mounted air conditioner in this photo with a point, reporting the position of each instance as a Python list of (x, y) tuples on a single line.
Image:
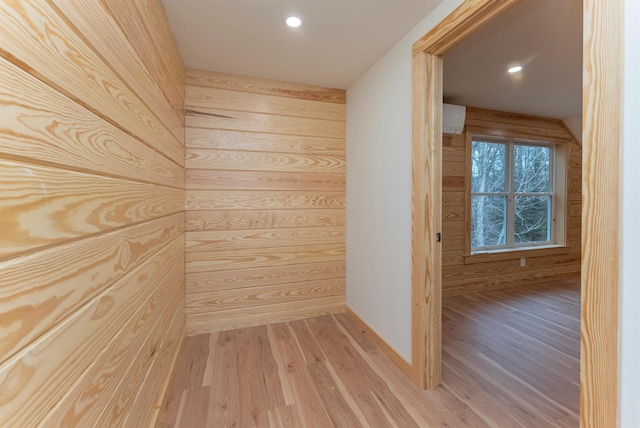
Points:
[(453, 118)]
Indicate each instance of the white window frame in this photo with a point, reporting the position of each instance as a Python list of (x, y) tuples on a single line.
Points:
[(557, 193)]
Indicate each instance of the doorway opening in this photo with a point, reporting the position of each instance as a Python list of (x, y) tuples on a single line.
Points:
[(601, 120)]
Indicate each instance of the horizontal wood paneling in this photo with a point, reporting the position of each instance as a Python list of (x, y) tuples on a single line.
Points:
[(238, 298), (511, 280), (200, 96), (78, 72), (261, 200), (39, 377), (199, 179), (262, 238), (92, 201), (146, 27), (103, 32), (260, 142), (254, 85), (506, 124), (492, 272), (258, 257), (197, 221), (149, 365), (252, 316), (265, 201), (51, 285), (200, 117), (261, 161), (509, 266), (156, 364), (245, 278), (40, 124), (46, 206), (96, 387)]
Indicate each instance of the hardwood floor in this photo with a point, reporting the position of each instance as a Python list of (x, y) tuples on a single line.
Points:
[(510, 359), (513, 355)]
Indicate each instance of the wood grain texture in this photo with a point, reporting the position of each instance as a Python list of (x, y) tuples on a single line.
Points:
[(327, 372), (125, 401), (97, 385), (530, 252), (202, 323), (50, 285), (200, 117), (201, 179), (45, 206), (601, 234), (102, 31), (42, 125), (480, 272), (254, 85), (426, 215), (197, 221), (260, 200), (92, 202), (147, 29), (512, 346), (493, 122), (510, 358), (156, 23), (426, 195), (265, 203), (465, 19), (199, 96), (244, 278), (79, 73), (260, 161), (261, 142), (262, 238), (201, 262), (508, 281), (38, 377), (238, 298), (157, 369)]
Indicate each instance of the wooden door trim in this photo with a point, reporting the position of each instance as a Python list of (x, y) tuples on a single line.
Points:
[(602, 56), (426, 200), (601, 212)]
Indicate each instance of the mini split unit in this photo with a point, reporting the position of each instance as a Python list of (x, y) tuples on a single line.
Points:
[(453, 118)]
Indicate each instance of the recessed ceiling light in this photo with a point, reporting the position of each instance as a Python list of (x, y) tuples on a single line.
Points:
[(294, 21), (515, 69)]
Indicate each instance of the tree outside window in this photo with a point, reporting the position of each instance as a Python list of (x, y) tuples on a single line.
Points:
[(512, 194)]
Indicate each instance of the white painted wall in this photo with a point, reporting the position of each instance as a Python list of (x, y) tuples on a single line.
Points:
[(379, 190), (630, 290), (575, 126), (379, 201)]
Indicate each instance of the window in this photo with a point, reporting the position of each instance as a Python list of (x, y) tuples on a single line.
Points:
[(514, 194)]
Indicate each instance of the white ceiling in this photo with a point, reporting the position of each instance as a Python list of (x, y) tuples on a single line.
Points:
[(545, 37), (338, 40)]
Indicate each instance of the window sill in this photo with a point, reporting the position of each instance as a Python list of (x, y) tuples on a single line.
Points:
[(515, 253)]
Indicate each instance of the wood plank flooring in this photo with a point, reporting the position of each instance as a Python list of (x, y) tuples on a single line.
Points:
[(510, 359), (513, 355)]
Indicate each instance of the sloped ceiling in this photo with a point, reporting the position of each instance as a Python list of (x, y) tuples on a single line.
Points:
[(545, 37)]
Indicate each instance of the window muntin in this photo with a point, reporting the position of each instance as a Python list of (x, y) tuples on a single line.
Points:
[(512, 194)]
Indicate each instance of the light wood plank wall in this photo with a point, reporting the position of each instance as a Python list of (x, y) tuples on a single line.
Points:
[(495, 271), (91, 210), (265, 199)]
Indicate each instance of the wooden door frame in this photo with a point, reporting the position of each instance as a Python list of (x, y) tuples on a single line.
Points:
[(602, 65)]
